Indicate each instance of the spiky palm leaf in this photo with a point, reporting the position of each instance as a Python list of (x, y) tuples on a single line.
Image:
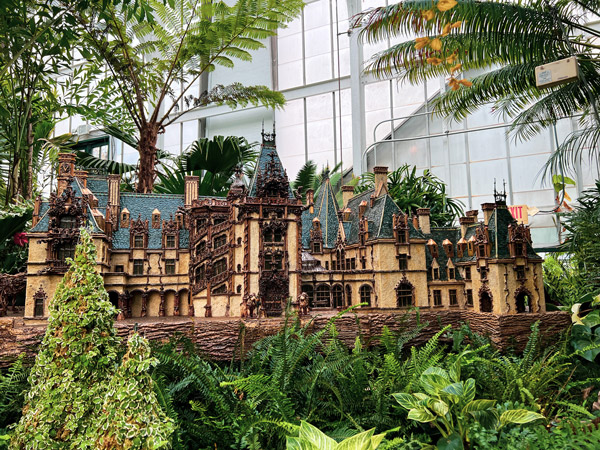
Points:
[(517, 36)]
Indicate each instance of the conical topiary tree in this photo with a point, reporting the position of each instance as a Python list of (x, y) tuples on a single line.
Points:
[(79, 398), (77, 357), (131, 417)]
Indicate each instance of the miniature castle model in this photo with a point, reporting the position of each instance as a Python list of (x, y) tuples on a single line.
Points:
[(170, 255)]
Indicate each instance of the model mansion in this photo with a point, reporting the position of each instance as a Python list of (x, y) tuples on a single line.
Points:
[(169, 255)]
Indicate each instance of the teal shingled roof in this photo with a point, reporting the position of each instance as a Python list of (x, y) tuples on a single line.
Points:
[(379, 216), (266, 153), (439, 235), (142, 205), (500, 219), (326, 210), (98, 184)]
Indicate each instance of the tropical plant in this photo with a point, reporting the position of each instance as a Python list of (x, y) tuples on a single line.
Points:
[(583, 226), (131, 415), (13, 385), (563, 283), (411, 191), (308, 177), (506, 41), (155, 67), (214, 161), (14, 221), (450, 405), (76, 384), (311, 438)]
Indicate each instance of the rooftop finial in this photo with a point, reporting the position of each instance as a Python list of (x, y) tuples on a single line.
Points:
[(500, 197), (268, 138)]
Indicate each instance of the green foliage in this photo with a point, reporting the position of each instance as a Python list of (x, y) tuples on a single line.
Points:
[(503, 42), (214, 161), (13, 385), (311, 438), (411, 191), (76, 383), (131, 416), (450, 405), (564, 284), (13, 252)]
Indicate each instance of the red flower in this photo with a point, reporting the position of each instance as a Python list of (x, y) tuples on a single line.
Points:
[(20, 239)]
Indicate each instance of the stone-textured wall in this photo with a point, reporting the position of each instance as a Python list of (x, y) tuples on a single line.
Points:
[(222, 338)]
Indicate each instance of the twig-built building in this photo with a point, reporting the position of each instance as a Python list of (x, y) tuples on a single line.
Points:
[(169, 255)]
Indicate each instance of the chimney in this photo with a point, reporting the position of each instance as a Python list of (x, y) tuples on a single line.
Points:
[(380, 180), (347, 194), (66, 170), (465, 222), (36, 211), (424, 222), (488, 209), (191, 190), (310, 200), (473, 213), (114, 199), (82, 175)]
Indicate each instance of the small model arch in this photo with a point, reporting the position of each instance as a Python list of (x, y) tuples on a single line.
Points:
[(486, 301), (322, 296), (338, 296), (405, 293), (348, 295), (523, 300)]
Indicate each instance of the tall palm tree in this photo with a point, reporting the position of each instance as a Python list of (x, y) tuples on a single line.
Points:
[(154, 66), (507, 39)]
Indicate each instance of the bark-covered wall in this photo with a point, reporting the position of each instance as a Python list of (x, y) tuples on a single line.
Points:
[(222, 338)]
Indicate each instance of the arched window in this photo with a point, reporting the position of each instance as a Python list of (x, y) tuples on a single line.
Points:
[(365, 294), (338, 296), (322, 296), (221, 289), (348, 295), (220, 266), (404, 294)]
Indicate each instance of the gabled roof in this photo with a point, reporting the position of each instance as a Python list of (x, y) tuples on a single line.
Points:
[(326, 210)]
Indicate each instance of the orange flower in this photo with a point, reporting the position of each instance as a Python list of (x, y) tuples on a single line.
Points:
[(436, 44), (428, 15), (421, 42), (456, 68), (452, 58), (456, 24), (446, 29), (465, 83), (433, 60), (446, 5), (453, 83)]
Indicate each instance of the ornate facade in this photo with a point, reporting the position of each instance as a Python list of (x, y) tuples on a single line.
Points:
[(248, 253)]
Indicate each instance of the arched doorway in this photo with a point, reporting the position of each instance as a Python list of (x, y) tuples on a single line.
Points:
[(113, 296), (485, 301), (365, 294), (404, 294), (523, 301), (338, 296)]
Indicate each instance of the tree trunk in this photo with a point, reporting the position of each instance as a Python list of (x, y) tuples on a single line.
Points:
[(147, 151), (29, 192)]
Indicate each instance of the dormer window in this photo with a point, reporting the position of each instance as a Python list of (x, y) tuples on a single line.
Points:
[(436, 273), (470, 245), (451, 273), (156, 218), (138, 241), (125, 218), (482, 251), (461, 247), (448, 248), (66, 250), (316, 247), (67, 222), (518, 248), (401, 237), (432, 246), (170, 241)]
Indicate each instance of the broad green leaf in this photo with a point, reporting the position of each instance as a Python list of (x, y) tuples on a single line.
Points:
[(294, 443), (360, 441), (376, 440), (592, 319), (434, 379), (421, 415), (315, 436), (438, 407), (469, 390), (478, 405), (519, 416), (455, 391), (406, 400), (451, 442)]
